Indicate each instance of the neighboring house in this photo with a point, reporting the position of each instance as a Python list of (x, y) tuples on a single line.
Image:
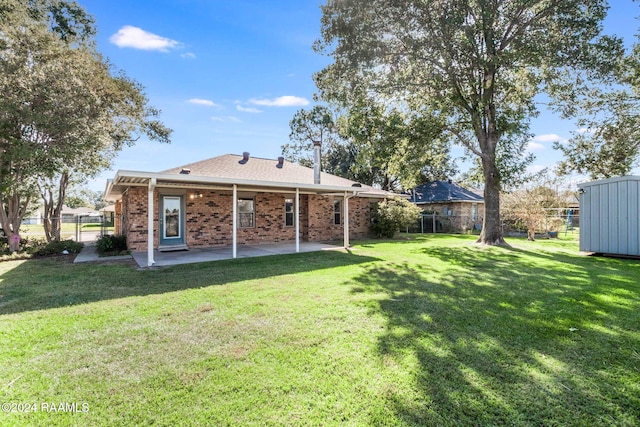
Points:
[(84, 214), (233, 200), (459, 208), (33, 218), (108, 215)]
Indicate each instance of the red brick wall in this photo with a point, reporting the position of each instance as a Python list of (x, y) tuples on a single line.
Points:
[(117, 223), (209, 219), (360, 217), (134, 218)]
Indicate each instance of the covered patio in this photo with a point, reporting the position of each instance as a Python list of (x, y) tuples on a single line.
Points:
[(237, 202), (163, 259)]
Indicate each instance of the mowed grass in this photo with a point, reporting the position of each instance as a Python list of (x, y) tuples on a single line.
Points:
[(428, 330)]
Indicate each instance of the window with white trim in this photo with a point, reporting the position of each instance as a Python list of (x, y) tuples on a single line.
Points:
[(337, 211), (246, 213), (288, 213)]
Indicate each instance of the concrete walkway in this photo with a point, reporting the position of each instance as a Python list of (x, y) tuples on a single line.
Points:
[(89, 253), (162, 259)]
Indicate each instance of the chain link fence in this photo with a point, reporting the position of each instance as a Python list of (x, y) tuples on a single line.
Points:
[(81, 228), (436, 223), (562, 222)]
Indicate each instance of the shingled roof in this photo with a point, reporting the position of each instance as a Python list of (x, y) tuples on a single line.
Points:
[(250, 172), (257, 169), (443, 191)]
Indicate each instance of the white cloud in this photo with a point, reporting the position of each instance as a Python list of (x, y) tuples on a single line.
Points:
[(535, 146), (282, 101), (137, 38), (247, 109), (200, 101), (550, 137), (188, 55)]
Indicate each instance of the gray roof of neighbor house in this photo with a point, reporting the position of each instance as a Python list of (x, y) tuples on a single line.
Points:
[(443, 191), (230, 169), (66, 210)]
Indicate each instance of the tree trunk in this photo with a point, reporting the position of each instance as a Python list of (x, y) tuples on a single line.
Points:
[(491, 227), (12, 211), (53, 208)]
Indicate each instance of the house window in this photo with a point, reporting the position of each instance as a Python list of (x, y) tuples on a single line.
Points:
[(474, 212), (246, 213), (288, 212), (337, 211)]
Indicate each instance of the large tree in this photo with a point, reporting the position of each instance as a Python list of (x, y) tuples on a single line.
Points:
[(606, 107), (64, 111), (370, 144), (396, 149), (480, 63), (307, 127)]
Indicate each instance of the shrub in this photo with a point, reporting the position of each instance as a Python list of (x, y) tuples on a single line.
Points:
[(57, 247), (112, 243), (392, 214)]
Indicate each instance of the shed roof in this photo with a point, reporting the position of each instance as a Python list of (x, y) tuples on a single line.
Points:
[(609, 181), (443, 191)]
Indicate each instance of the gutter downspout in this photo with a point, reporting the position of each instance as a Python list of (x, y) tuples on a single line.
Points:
[(152, 187)]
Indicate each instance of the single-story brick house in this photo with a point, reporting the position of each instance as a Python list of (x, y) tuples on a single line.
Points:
[(233, 200), (463, 208)]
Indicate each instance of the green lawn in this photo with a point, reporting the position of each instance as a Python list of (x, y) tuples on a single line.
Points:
[(66, 228), (432, 331)]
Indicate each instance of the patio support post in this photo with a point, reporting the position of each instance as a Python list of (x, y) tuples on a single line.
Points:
[(152, 186), (346, 221), (297, 220), (234, 221)]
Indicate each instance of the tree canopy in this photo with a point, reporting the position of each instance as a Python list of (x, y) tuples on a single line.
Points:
[(606, 107), (371, 145), (64, 109), (474, 66)]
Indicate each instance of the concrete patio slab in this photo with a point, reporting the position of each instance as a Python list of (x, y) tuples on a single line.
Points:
[(89, 253), (163, 259)]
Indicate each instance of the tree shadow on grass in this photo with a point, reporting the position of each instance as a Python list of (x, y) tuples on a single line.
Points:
[(510, 337), (44, 284)]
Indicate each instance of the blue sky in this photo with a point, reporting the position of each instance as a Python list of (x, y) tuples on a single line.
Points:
[(229, 75)]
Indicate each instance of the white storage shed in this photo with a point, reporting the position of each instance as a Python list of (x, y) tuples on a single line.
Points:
[(610, 216)]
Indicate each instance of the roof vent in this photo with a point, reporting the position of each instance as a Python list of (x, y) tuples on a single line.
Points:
[(245, 158), (357, 184), (280, 162), (185, 171)]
